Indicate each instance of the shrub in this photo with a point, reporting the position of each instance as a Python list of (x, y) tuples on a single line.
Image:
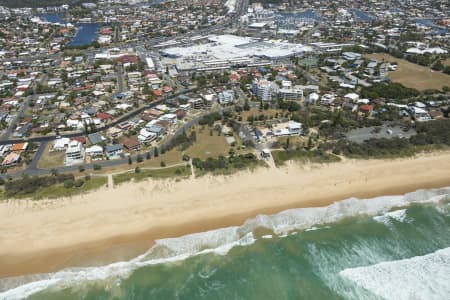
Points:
[(68, 183), (139, 158), (137, 170), (162, 164), (97, 167), (79, 183), (81, 168)]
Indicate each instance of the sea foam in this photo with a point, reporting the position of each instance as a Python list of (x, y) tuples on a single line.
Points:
[(221, 241), (421, 277)]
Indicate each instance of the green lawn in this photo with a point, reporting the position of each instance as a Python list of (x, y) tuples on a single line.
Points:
[(208, 145), (172, 172)]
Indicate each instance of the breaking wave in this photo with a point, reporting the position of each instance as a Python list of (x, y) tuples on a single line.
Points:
[(221, 241), (421, 277)]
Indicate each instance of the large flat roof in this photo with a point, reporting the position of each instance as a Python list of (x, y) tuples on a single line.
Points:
[(232, 46)]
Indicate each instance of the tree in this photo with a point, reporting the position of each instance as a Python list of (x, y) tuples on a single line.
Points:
[(130, 161), (162, 164), (137, 170), (54, 172), (156, 154), (139, 158)]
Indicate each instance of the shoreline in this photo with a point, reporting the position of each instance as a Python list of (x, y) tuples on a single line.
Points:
[(102, 227)]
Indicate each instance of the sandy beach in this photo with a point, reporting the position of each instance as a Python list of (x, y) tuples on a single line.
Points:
[(122, 222)]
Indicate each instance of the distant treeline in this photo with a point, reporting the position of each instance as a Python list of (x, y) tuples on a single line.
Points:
[(40, 3)]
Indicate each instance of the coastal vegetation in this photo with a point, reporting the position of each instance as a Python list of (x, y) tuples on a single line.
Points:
[(223, 165), (54, 186), (140, 174)]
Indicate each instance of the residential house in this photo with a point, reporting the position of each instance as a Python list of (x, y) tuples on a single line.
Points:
[(95, 151), (113, 151), (146, 136), (132, 144), (96, 138), (11, 159)]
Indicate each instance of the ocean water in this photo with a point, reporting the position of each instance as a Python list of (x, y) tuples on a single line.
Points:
[(384, 248)]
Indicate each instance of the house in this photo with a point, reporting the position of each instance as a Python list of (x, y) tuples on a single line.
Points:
[(351, 97), (96, 138), (327, 99), (146, 136), (23, 130), (11, 159), (312, 98), (419, 114), (113, 151), (95, 151), (366, 109), (20, 147), (114, 132), (171, 118), (158, 130), (74, 153), (295, 128), (60, 144), (132, 144)]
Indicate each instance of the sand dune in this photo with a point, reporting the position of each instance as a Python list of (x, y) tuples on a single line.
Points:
[(119, 223)]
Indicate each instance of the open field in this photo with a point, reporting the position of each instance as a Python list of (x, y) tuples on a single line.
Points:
[(412, 75), (51, 159), (208, 145)]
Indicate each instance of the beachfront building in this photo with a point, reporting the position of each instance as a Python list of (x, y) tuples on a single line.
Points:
[(94, 152), (74, 153), (113, 151)]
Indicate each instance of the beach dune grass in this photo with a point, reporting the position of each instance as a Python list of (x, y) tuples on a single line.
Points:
[(171, 172), (314, 156)]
